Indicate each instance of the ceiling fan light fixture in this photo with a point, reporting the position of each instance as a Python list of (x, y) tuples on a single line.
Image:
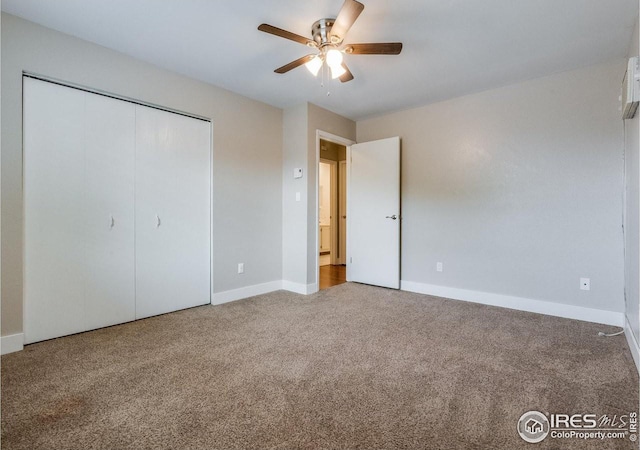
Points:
[(334, 58), (337, 71), (314, 65)]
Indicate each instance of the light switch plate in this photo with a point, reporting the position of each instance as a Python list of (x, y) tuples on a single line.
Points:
[(297, 172)]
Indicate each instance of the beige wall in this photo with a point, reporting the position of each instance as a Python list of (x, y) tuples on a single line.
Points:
[(517, 190), (247, 185), (294, 213)]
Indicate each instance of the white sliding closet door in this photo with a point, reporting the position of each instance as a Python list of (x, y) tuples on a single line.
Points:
[(109, 211), (54, 262), (173, 175)]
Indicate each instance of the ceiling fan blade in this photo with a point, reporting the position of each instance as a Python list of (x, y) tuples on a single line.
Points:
[(386, 48), (286, 34), (293, 64), (347, 76), (348, 14)]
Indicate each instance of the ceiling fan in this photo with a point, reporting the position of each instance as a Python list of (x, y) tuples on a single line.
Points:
[(328, 41)]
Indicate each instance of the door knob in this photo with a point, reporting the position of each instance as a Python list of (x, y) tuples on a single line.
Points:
[(394, 217)]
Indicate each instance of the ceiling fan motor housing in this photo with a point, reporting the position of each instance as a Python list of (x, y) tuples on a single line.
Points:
[(321, 32)]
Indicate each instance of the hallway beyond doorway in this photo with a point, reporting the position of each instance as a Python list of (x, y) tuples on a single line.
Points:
[(332, 276)]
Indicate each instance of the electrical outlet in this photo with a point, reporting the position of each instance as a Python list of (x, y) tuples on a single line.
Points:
[(585, 284), (439, 267), (240, 267)]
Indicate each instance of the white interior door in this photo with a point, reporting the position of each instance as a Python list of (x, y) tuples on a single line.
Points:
[(109, 211), (374, 213), (173, 175), (53, 214)]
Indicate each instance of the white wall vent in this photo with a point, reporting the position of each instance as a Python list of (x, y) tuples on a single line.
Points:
[(630, 89)]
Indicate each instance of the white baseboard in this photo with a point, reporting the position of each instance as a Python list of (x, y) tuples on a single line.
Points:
[(633, 344), (299, 288), (11, 343), (518, 303), (244, 292)]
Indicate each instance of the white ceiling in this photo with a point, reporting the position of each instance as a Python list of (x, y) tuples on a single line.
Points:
[(451, 47)]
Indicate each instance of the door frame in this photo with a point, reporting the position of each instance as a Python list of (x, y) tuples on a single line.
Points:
[(320, 134), (342, 250)]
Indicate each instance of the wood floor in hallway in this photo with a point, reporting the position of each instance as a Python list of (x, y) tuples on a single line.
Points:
[(332, 276)]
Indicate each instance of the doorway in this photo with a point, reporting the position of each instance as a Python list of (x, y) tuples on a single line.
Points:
[(332, 167)]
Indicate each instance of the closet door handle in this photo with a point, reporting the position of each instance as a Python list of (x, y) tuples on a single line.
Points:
[(112, 222), (158, 222), (394, 217)]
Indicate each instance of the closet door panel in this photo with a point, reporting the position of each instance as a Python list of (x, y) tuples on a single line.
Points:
[(172, 212), (193, 203), (109, 211), (53, 218)]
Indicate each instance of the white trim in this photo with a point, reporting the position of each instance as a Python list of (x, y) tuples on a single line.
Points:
[(299, 288), (12, 343), (244, 292), (518, 303), (342, 235), (633, 344)]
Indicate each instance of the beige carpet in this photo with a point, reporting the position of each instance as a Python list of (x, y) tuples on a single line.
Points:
[(350, 367)]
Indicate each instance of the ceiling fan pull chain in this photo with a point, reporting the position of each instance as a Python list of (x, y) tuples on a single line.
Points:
[(328, 91)]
